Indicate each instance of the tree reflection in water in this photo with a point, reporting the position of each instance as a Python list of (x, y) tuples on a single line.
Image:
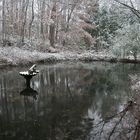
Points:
[(74, 102)]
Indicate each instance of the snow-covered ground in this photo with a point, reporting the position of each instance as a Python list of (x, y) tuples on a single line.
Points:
[(15, 56)]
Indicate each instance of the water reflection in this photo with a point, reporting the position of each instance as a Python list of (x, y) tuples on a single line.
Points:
[(70, 98), (28, 91)]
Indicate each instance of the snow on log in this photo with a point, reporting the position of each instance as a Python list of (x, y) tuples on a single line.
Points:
[(31, 72)]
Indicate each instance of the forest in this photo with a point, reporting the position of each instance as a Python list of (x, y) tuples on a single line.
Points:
[(110, 27)]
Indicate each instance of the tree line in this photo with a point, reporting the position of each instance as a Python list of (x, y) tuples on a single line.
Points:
[(56, 21), (96, 24)]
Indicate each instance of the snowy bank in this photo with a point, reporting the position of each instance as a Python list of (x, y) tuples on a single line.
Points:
[(18, 56)]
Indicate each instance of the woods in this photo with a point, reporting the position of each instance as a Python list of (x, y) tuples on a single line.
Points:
[(95, 26), (57, 21), (84, 24)]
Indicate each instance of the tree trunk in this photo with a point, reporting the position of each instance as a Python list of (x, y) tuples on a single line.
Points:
[(42, 19), (3, 22), (52, 35), (30, 25), (52, 26), (25, 8)]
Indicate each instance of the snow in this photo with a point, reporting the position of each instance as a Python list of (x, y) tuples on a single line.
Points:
[(27, 73), (24, 73), (16, 56)]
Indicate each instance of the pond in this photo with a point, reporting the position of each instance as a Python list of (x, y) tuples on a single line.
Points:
[(64, 102)]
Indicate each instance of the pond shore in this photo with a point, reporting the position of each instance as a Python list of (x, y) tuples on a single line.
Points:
[(19, 56)]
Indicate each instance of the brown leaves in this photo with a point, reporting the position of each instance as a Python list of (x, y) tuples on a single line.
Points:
[(86, 26)]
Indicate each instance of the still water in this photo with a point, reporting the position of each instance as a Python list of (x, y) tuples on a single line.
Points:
[(64, 100)]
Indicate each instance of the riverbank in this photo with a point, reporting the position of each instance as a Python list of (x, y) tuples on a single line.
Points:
[(20, 56)]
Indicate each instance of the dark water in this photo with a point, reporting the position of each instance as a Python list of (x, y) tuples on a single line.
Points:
[(64, 101)]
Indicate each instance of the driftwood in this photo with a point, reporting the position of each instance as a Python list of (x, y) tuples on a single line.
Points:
[(32, 69), (29, 74)]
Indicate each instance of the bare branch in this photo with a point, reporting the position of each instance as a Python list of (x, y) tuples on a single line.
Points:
[(132, 8)]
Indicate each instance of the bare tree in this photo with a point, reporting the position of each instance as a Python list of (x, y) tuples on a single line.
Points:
[(32, 19), (3, 21), (52, 25), (131, 7), (25, 5), (44, 20)]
